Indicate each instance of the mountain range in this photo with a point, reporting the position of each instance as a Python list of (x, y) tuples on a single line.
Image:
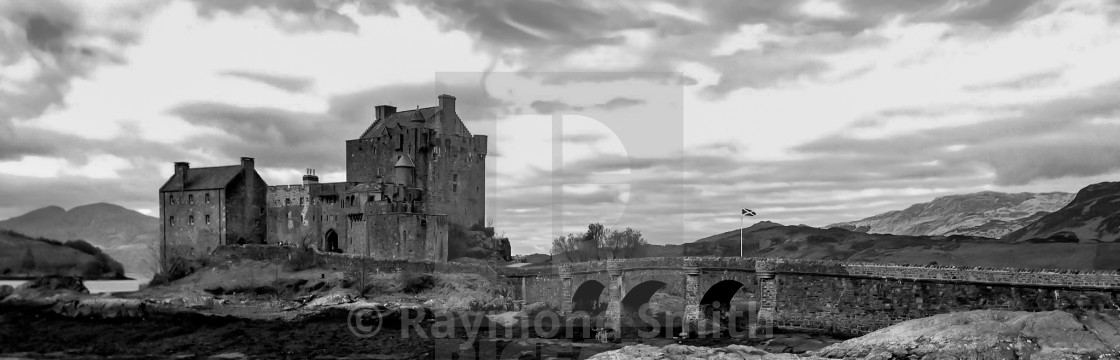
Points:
[(987, 214), (125, 235), (1092, 217)]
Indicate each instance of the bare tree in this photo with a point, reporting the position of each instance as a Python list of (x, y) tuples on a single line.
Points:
[(598, 239), (594, 239), (568, 247), (625, 243)]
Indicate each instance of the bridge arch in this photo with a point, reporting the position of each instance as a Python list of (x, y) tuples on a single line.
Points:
[(730, 295), (720, 294), (586, 297), (641, 294)]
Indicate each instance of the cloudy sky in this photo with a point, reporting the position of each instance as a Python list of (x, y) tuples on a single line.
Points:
[(665, 116)]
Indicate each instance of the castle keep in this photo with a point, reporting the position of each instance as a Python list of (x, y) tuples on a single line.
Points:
[(409, 176)]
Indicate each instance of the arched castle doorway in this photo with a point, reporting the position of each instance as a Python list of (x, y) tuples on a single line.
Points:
[(331, 241)]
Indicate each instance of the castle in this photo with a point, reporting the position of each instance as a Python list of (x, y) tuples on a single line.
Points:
[(409, 176)]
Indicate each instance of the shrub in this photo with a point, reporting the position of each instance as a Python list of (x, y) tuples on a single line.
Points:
[(177, 268), (415, 284), (488, 231), (303, 259)]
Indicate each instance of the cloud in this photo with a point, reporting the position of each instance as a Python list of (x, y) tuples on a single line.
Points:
[(308, 15), (1049, 140), (55, 42), (286, 83), (549, 107)]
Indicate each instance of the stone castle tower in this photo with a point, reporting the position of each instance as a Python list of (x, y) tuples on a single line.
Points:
[(409, 175)]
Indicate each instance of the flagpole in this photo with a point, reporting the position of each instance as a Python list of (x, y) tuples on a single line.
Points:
[(741, 216)]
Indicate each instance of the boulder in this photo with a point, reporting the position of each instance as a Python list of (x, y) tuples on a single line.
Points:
[(6, 290), (989, 334), (507, 319), (529, 311)]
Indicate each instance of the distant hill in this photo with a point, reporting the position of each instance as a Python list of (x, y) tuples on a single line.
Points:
[(987, 214), (1092, 217), (757, 226), (123, 234), (22, 256), (804, 242)]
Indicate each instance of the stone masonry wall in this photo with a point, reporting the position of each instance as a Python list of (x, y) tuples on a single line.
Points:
[(289, 216), (187, 238), (350, 261), (857, 298), (251, 252)]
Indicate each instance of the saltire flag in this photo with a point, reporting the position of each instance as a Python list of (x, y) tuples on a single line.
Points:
[(748, 212)]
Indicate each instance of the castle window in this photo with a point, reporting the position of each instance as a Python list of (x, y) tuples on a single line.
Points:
[(171, 221), (300, 201), (287, 201), (190, 220), (190, 198), (207, 198), (172, 197), (207, 219), (455, 183)]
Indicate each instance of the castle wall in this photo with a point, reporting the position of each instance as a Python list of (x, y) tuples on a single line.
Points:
[(353, 262), (184, 239), (291, 218), (327, 205), (457, 179), (245, 210), (451, 168), (408, 236)]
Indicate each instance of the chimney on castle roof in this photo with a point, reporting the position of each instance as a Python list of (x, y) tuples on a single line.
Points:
[(447, 102), (384, 111), (310, 177), (181, 169), (247, 164)]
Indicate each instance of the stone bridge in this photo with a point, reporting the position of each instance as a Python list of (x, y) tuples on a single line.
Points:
[(618, 288), (840, 297)]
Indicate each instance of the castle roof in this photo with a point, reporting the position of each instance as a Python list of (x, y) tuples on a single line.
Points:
[(203, 178), (405, 161), (407, 118)]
